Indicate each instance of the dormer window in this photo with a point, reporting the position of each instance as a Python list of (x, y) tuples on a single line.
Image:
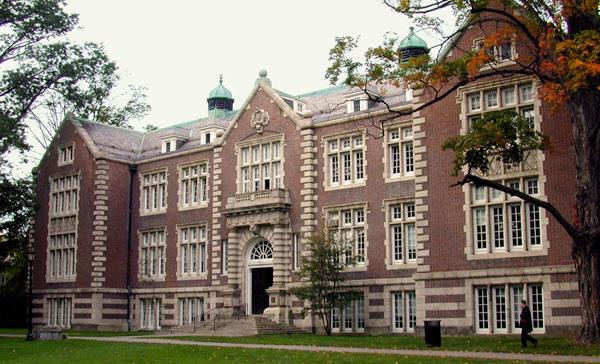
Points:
[(207, 138), (65, 154), (356, 105), (171, 144)]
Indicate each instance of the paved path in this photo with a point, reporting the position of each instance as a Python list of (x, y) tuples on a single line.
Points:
[(332, 349)]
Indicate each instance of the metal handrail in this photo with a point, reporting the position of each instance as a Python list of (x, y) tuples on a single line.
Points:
[(219, 317)]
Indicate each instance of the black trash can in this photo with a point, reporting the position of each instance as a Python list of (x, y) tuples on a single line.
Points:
[(433, 333)]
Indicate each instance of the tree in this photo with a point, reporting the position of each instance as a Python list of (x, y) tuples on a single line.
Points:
[(323, 277), (44, 75), (562, 40)]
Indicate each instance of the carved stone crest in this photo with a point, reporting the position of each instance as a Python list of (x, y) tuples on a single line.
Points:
[(260, 119)]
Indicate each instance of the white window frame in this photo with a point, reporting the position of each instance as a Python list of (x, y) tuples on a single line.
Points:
[(150, 313), (351, 225), (400, 152), (152, 259), (193, 185), (60, 312), (192, 247), (497, 53), (66, 154), (64, 195), (260, 165), (401, 218), (404, 311), (62, 262), (508, 94), (345, 161), (224, 256), (153, 192), (296, 252), (510, 309), (190, 310), (522, 234), (351, 318)]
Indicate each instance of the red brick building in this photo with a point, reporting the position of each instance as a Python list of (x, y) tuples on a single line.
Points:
[(154, 229)]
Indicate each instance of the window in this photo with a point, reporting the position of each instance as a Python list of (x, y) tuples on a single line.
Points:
[(61, 256), (64, 195), (404, 311), (502, 223), (224, 255), (351, 318), (261, 167), (207, 137), (400, 150), (59, 312), (351, 233), (297, 251), (154, 192), (191, 310), (502, 97), (346, 163), (498, 307), (150, 311), (152, 254), (65, 154), (192, 250), (499, 53), (402, 233), (192, 185)]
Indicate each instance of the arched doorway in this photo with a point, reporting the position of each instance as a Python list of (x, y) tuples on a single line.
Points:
[(260, 276)]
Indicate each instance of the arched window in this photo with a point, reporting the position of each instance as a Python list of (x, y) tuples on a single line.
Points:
[(262, 251)]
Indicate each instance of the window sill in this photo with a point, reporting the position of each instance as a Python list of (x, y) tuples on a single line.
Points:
[(146, 279), (151, 213), (393, 266), (410, 177), (189, 277), (493, 66), (345, 186), (61, 280), (507, 255), (193, 207), (61, 164)]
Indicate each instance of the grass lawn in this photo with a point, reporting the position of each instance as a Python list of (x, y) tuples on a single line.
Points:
[(506, 343), (74, 351), (21, 331)]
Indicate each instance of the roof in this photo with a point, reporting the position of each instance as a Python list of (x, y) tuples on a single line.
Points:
[(412, 41), (134, 146), (220, 92)]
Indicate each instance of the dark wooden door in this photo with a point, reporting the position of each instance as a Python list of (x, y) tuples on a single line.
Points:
[(262, 278)]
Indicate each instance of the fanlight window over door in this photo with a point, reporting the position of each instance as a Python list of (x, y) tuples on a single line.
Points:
[(262, 251)]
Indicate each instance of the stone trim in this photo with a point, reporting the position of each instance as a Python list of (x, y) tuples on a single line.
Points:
[(421, 185), (99, 234), (308, 205)]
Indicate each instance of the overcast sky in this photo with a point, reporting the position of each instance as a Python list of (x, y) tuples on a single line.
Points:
[(177, 48)]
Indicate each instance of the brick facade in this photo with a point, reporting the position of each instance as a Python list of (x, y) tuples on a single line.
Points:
[(112, 289)]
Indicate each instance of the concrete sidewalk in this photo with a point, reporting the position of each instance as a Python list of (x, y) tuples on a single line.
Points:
[(333, 349)]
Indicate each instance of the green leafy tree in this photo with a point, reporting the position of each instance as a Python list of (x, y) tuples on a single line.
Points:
[(323, 277), (43, 76), (562, 41)]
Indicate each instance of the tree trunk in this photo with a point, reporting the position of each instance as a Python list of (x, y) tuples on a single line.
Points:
[(584, 106), (587, 264)]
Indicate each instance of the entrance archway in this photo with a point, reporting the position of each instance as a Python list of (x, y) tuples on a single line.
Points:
[(259, 276)]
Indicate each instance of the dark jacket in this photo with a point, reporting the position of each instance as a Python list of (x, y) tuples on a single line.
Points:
[(525, 320)]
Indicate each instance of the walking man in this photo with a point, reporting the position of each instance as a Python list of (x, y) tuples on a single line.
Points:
[(526, 325)]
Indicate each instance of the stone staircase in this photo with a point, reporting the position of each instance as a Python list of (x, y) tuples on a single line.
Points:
[(264, 326), (248, 326)]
